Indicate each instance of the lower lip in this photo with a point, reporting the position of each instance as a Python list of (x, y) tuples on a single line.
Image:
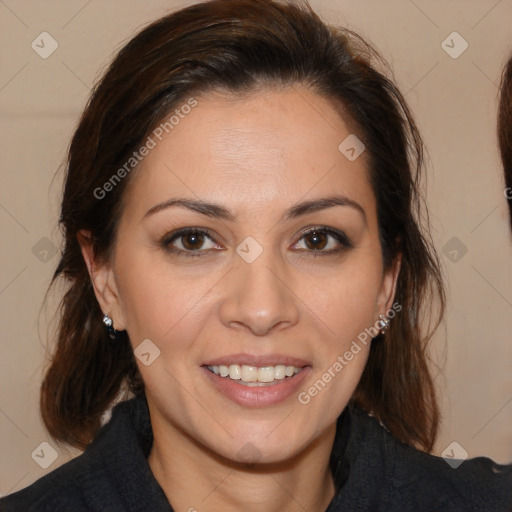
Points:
[(258, 396)]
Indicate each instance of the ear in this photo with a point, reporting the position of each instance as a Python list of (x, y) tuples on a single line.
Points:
[(388, 288), (103, 281)]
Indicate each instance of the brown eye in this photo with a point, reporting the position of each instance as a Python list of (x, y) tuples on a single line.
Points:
[(324, 241), (192, 241), (316, 240)]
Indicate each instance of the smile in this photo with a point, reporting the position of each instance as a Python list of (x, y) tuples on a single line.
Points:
[(259, 384), (253, 376)]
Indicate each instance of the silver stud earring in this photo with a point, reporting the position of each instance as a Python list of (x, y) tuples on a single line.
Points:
[(384, 324), (109, 325)]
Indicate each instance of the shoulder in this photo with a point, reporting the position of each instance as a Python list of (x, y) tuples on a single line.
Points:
[(476, 484), (79, 483), (60, 490), (422, 482)]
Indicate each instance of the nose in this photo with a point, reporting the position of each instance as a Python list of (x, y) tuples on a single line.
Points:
[(259, 296)]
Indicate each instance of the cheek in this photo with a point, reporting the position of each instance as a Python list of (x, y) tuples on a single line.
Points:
[(346, 308), (333, 384), (159, 304), (346, 299)]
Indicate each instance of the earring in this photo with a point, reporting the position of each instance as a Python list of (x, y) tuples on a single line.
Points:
[(384, 322), (109, 325)]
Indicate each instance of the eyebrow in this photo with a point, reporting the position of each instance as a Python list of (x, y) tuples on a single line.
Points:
[(219, 212)]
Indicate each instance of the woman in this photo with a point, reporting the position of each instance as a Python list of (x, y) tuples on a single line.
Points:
[(244, 257)]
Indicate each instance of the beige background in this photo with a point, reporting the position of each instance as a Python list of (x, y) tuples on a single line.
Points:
[(454, 101)]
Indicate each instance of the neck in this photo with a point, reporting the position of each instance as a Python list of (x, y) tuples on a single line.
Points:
[(194, 478)]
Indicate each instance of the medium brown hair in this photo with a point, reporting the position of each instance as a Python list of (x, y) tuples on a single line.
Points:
[(505, 130), (236, 46)]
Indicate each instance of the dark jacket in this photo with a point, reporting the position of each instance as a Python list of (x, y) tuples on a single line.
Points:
[(372, 472)]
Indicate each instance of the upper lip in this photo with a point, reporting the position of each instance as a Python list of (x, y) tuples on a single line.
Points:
[(260, 360)]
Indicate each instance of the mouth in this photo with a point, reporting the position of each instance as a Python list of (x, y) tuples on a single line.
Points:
[(254, 376), (256, 381)]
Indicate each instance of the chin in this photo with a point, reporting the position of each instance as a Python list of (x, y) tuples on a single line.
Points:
[(259, 450)]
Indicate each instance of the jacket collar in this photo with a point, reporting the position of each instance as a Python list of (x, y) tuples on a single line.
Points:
[(123, 446), (127, 439)]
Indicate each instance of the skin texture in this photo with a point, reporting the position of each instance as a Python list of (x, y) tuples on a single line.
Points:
[(256, 155)]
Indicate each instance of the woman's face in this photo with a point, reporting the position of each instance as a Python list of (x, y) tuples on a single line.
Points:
[(247, 289)]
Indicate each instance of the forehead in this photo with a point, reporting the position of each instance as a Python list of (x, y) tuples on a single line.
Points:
[(270, 146)]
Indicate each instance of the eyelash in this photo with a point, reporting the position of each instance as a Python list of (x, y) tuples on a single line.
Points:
[(339, 236)]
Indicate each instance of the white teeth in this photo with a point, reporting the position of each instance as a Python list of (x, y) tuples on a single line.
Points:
[(266, 374), (280, 372), (249, 373), (234, 372), (253, 375)]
